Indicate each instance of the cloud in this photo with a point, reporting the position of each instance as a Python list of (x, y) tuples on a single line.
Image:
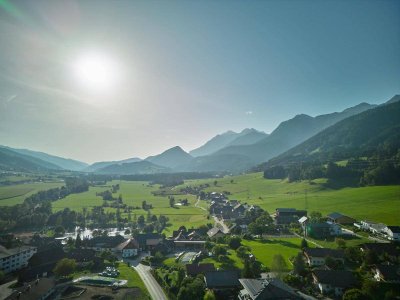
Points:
[(249, 112)]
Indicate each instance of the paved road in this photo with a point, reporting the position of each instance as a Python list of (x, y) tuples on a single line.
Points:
[(155, 290)]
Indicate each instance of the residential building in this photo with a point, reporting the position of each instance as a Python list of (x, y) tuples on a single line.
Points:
[(128, 248), (222, 280), (392, 233), (215, 232), (333, 281), (286, 216), (317, 256), (188, 244), (15, 258), (103, 243), (196, 269), (387, 273), (148, 241), (389, 249), (264, 289), (322, 230), (338, 218)]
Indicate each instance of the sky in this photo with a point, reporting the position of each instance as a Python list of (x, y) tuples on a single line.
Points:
[(108, 80)]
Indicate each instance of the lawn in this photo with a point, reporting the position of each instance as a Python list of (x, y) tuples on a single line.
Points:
[(376, 203), (134, 280), (233, 262), (16, 194), (264, 250)]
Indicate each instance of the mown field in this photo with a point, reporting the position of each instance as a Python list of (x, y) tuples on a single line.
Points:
[(376, 203), (15, 194)]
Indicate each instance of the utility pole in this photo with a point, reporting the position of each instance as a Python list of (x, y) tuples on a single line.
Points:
[(305, 200)]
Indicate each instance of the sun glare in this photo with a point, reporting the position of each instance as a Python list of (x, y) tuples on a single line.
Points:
[(96, 72)]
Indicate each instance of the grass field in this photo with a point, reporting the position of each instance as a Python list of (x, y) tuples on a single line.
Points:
[(376, 203), (134, 280), (16, 194)]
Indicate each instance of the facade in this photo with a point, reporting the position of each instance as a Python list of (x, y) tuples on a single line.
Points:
[(128, 248), (333, 281), (317, 256), (323, 230), (16, 258)]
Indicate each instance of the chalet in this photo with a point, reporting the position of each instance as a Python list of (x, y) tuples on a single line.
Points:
[(15, 258), (264, 289), (128, 248), (338, 218), (196, 269), (215, 232), (286, 216), (317, 256), (103, 243), (336, 281), (387, 273), (392, 233), (222, 280), (148, 241)]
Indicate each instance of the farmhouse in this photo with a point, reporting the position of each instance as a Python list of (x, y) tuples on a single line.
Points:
[(336, 281), (285, 216), (128, 248), (263, 289), (387, 273), (103, 243), (388, 249), (322, 230), (317, 256), (148, 241), (338, 218)]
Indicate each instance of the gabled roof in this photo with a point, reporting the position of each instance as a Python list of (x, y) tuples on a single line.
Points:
[(324, 252), (142, 238), (303, 219), (195, 269), (213, 231), (222, 279), (336, 278), (105, 241), (389, 272), (262, 289), (335, 215), (286, 209), (128, 244)]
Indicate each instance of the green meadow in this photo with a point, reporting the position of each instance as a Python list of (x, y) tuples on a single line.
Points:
[(16, 194)]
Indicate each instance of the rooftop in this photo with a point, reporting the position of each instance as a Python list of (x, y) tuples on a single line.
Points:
[(260, 289), (337, 278), (324, 252), (222, 279)]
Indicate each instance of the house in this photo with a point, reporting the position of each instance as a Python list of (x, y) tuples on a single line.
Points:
[(215, 232), (317, 256), (286, 216), (387, 273), (263, 289), (377, 228), (40, 289), (238, 211), (336, 281), (222, 280), (338, 218), (148, 241), (389, 249), (188, 244), (196, 269), (366, 225), (15, 258), (103, 243), (322, 230), (392, 233), (128, 248)]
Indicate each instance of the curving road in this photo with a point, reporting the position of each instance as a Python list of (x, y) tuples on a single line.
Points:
[(155, 290)]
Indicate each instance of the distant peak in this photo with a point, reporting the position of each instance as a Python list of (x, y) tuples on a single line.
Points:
[(302, 116)]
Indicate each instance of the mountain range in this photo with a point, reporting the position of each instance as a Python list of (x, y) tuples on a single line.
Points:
[(227, 152)]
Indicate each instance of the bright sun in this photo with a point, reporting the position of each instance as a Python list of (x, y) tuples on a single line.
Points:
[(96, 72)]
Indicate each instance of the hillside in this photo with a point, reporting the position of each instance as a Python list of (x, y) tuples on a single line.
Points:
[(100, 165), (14, 161), (365, 134), (63, 163), (140, 167), (171, 158), (245, 137), (290, 133)]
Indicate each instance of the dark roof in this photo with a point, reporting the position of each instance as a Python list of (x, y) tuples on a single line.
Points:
[(286, 209), (81, 255), (336, 278), (389, 272), (47, 256), (335, 215), (394, 228), (194, 269), (324, 252), (105, 241), (262, 289), (222, 279), (128, 244), (143, 237), (380, 248)]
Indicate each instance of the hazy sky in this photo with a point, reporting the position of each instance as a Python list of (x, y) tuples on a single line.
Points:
[(180, 72)]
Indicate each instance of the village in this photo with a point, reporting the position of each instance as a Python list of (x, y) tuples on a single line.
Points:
[(199, 258)]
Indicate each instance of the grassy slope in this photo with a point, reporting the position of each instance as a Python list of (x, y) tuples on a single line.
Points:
[(377, 203), (15, 194)]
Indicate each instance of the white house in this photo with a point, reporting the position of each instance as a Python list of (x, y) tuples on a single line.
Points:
[(336, 281), (392, 233), (128, 248), (15, 258), (317, 256)]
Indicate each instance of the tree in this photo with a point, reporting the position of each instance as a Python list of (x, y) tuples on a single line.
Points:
[(353, 294), (304, 244), (234, 242), (278, 264), (144, 205), (246, 272), (140, 220), (215, 182), (78, 241), (219, 250), (171, 201), (64, 267), (371, 257), (242, 252), (209, 295), (298, 265), (341, 243), (315, 217)]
